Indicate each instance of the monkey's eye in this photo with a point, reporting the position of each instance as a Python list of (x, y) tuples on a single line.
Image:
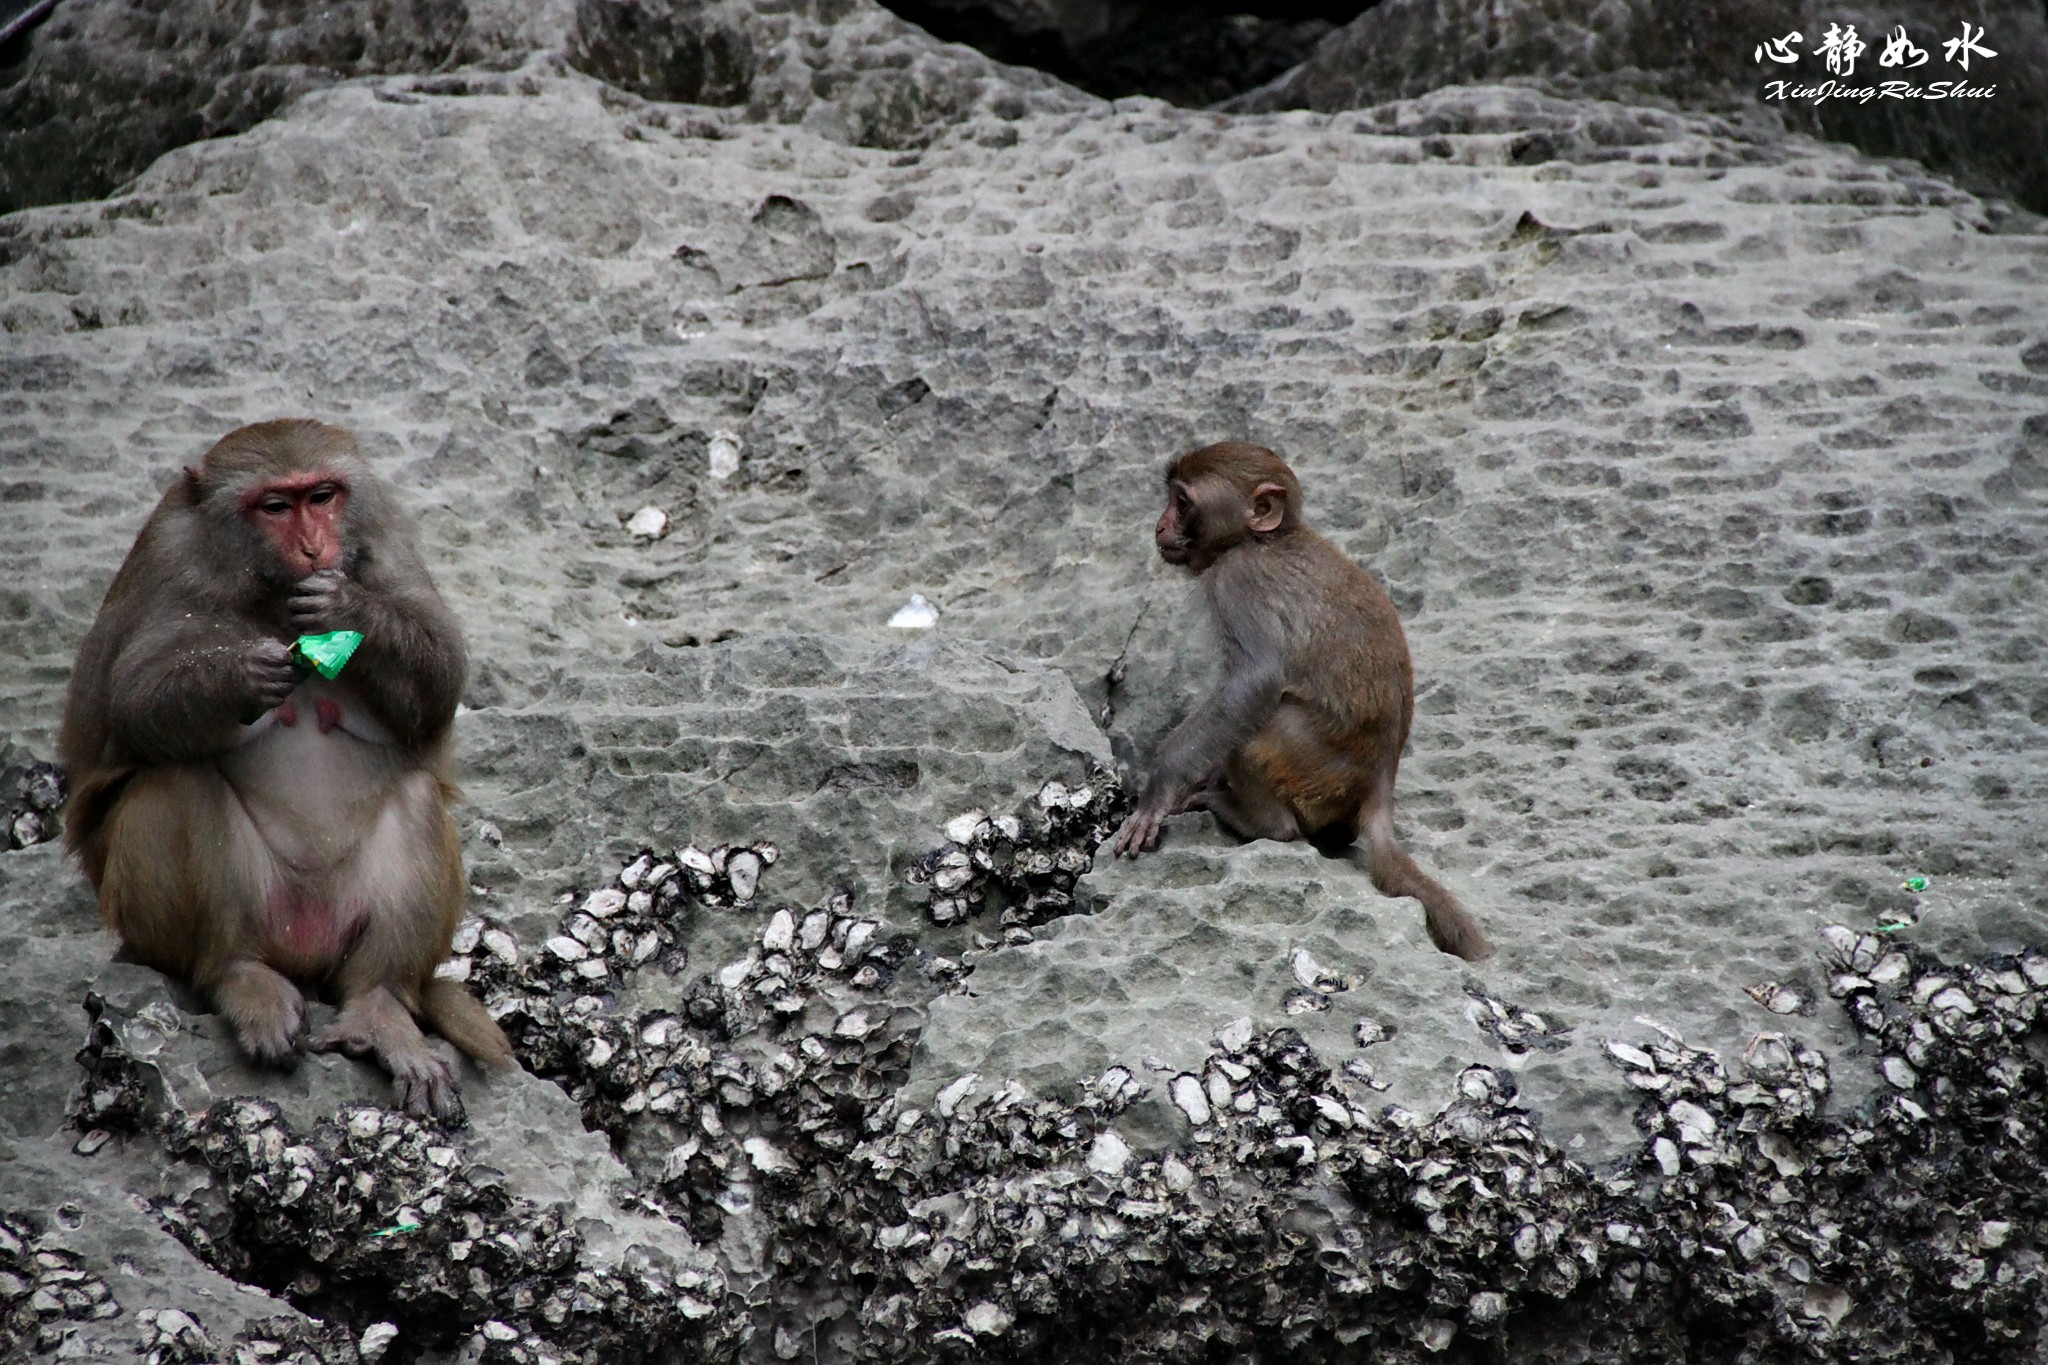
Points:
[(274, 506), (321, 495)]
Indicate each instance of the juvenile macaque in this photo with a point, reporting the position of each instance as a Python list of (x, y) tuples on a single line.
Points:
[(247, 829), (1301, 738)]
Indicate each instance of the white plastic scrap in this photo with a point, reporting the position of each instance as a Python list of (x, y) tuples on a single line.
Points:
[(916, 614)]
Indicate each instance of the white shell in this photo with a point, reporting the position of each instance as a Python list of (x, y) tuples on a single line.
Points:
[(949, 1099), (857, 939), (816, 925), (1188, 1096), (743, 870), (1109, 1155), (987, 1319)]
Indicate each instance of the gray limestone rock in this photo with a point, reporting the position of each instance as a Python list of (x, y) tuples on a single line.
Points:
[(1703, 460)]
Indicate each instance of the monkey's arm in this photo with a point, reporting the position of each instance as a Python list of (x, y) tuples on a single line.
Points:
[(1218, 727), (183, 688), (411, 664)]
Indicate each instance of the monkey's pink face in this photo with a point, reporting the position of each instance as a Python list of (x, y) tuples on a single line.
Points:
[(300, 518), (1178, 534)]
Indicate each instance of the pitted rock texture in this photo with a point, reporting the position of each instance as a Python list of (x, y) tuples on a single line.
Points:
[(1706, 464), (1706, 55)]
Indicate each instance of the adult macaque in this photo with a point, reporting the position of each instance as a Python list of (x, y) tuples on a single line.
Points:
[(246, 829), (1301, 738)]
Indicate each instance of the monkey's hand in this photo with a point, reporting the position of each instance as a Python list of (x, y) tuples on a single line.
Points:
[(270, 676), (321, 602), (1141, 831)]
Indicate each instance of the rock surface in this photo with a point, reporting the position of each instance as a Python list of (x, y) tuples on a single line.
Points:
[(1709, 466), (1710, 55)]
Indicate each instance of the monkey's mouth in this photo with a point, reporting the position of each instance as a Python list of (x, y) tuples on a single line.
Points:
[(1173, 551)]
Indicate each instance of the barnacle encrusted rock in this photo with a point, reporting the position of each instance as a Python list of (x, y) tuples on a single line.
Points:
[(766, 1121)]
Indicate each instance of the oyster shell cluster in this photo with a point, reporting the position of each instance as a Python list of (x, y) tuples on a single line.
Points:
[(35, 794), (763, 1105), (119, 1091), (41, 1287), (1031, 862), (1516, 1029), (380, 1210), (171, 1336), (682, 1065)]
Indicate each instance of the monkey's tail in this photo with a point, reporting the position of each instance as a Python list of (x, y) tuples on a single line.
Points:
[(1451, 926), (456, 1015)]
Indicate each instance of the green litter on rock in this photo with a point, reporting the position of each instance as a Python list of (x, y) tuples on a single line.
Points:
[(1915, 883), (326, 654)]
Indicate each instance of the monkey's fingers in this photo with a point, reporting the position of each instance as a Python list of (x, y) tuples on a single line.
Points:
[(270, 674), (315, 599), (425, 1085), (1140, 834), (273, 1041), (266, 1012)]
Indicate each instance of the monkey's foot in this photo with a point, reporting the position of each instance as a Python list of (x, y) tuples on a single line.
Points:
[(374, 1024), (265, 1010)]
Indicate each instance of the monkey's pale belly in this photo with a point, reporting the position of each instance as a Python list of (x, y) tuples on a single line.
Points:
[(313, 776)]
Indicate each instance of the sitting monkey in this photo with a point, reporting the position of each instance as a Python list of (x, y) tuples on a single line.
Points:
[(245, 829), (1301, 738)]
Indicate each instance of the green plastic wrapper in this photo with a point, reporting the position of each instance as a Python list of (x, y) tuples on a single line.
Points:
[(327, 654)]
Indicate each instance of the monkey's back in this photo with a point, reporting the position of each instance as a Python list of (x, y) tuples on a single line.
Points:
[(1347, 654)]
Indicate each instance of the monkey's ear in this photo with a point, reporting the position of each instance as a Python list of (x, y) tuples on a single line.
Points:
[(1269, 508), (195, 485)]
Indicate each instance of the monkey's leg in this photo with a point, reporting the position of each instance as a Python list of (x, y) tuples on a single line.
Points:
[(185, 880), (1451, 927), (406, 881)]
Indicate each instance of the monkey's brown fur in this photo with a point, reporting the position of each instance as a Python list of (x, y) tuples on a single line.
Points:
[(1302, 737), (245, 830)]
